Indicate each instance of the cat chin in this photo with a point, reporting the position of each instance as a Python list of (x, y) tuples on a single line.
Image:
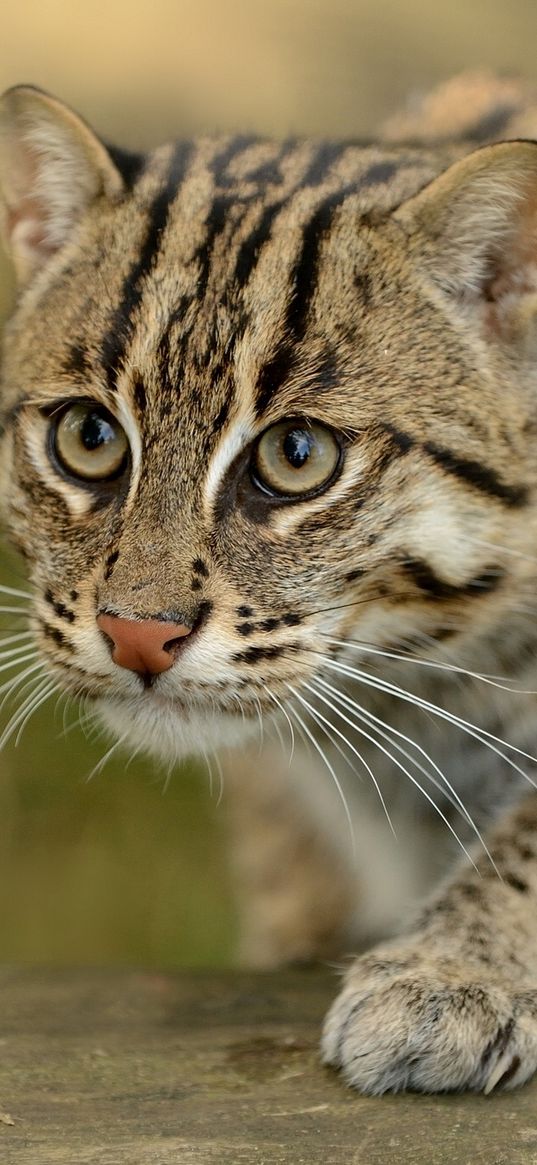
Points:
[(169, 735)]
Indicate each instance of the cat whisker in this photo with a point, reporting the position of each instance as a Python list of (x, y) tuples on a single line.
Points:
[(220, 780), (330, 768), (388, 732), (494, 681), (20, 717), (98, 768), (15, 591), (406, 772), (332, 728), (480, 734), (289, 722)]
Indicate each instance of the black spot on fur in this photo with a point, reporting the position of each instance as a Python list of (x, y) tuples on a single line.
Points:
[(354, 574), (196, 584), (269, 624), (200, 567), (291, 619), (256, 654), (516, 883), (57, 636), (73, 596), (245, 612), (59, 608), (245, 629)]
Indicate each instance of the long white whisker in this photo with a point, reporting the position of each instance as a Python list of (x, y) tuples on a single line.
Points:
[(404, 770), (100, 764), (27, 706), (330, 768), (289, 721), (384, 729), (10, 686), (481, 734), (494, 681), (220, 780), (15, 591), (43, 697), (319, 716)]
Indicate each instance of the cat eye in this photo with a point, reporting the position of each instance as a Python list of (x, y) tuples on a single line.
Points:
[(89, 443), (295, 458)]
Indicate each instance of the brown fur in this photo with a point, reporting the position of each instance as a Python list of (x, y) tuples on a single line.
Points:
[(388, 292)]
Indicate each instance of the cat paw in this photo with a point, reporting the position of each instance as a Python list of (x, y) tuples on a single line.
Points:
[(430, 1025)]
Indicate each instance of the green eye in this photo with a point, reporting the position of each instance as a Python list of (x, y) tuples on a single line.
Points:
[(89, 443), (295, 457)]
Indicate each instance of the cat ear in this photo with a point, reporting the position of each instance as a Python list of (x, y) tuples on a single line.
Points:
[(52, 167), (474, 231)]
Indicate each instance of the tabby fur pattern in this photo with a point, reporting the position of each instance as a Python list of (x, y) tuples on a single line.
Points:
[(386, 290)]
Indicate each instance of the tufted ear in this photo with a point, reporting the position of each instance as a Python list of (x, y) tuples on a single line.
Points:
[(52, 167), (474, 231)]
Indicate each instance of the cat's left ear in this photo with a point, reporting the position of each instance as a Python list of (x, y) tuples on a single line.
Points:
[(52, 167), (473, 231)]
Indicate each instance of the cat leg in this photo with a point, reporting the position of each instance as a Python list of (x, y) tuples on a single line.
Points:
[(453, 1004), (296, 891)]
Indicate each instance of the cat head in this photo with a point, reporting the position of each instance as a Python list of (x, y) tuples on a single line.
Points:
[(261, 399)]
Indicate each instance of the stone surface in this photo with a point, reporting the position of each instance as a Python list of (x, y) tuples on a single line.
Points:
[(133, 1069)]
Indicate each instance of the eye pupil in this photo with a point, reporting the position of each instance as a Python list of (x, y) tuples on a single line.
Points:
[(95, 432), (297, 447)]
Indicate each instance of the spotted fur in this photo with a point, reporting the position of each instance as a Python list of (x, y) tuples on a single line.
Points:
[(388, 291)]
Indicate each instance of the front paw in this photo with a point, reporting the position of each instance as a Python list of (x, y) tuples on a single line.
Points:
[(409, 1021)]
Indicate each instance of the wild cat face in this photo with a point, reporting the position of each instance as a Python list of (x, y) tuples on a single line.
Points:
[(260, 397)]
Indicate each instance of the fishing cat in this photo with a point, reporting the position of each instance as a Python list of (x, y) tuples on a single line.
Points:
[(270, 435)]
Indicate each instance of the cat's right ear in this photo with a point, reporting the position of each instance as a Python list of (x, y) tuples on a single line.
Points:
[(52, 167)]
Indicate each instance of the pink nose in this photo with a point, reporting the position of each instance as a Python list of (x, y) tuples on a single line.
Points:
[(146, 646)]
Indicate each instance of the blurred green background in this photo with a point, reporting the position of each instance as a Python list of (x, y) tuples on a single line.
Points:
[(128, 867)]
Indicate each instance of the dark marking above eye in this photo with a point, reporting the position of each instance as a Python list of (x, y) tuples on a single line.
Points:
[(200, 567), (139, 393), (221, 418), (115, 342), (76, 361)]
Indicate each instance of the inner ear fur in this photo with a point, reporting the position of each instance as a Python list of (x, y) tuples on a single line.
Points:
[(474, 228), (52, 167)]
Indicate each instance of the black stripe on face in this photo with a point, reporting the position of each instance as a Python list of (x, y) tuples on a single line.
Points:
[(425, 578), (479, 476), (129, 164), (115, 342), (302, 287)]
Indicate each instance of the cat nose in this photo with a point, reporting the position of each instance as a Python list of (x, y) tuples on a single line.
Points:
[(145, 646)]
